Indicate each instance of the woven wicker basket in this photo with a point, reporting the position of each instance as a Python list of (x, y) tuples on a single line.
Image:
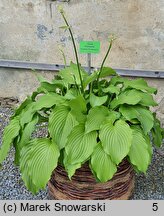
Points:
[(83, 185)]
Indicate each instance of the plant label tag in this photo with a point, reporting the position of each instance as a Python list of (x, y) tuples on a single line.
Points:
[(89, 47)]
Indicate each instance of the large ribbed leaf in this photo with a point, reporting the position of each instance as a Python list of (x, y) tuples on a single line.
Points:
[(27, 114), (78, 108), (71, 168), (97, 101), (25, 169), (61, 123), (71, 94), (10, 132), (90, 79), (147, 99), (128, 97), (25, 137), (41, 159), (113, 116), (117, 80), (26, 102), (78, 103), (67, 77), (45, 101), (138, 112), (70, 75), (149, 144), (27, 131), (157, 132), (139, 153), (48, 100), (102, 165), (47, 87), (106, 71), (95, 118), (80, 145), (139, 84), (116, 139), (111, 89)]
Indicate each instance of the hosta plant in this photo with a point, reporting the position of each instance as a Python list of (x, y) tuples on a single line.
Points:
[(100, 118)]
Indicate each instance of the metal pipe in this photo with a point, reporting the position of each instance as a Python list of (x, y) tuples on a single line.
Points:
[(57, 67)]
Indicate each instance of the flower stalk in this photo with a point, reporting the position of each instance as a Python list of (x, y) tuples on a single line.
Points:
[(75, 50)]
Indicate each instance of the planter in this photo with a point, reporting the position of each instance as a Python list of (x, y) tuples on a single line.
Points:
[(83, 185)]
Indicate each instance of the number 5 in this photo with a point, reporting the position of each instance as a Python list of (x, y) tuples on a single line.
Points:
[(155, 207)]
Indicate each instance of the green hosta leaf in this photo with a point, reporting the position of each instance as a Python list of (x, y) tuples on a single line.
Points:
[(41, 79), (25, 169), (70, 74), (138, 112), (25, 137), (78, 108), (10, 132), (27, 131), (89, 79), (147, 99), (157, 132), (61, 123), (97, 101), (117, 80), (71, 94), (112, 116), (78, 103), (58, 83), (71, 169), (41, 159), (95, 118), (106, 71), (68, 77), (27, 114), (128, 97), (116, 139), (45, 101), (102, 165), (149, 145), (80, 145), (133, 97), (17, 151), (134, 121), (48, 100), (139, 84), (139, 152), (47, 87), (26, 102), (36, 93), (111, 89)]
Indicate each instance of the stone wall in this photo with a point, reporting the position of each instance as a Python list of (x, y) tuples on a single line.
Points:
[(30, 30)]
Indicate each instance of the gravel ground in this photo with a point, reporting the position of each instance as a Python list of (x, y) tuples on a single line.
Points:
[(147, 187)]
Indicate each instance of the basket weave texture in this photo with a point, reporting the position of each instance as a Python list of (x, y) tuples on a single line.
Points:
[(83, 185)]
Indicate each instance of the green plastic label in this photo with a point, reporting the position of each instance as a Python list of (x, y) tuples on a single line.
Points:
[(89, 46)]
